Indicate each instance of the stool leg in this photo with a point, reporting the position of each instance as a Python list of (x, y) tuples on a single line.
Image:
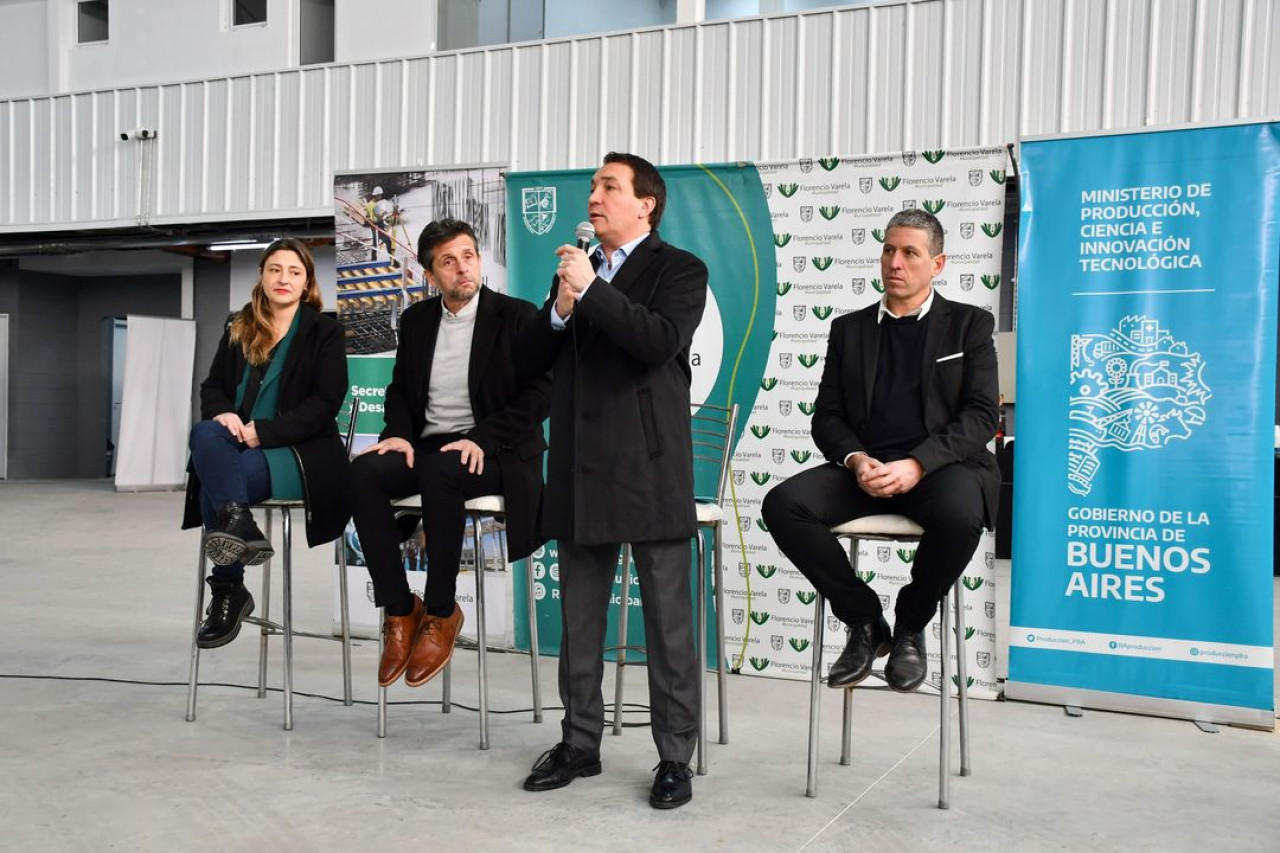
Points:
[(264, 633), (382, 691), (701, 619), (481, 641), (344, 605), (530, 595), (962, 673), (286, 535), (620, 663), (194, 675), (846, 735), (446, 689), (722, 680), (815, 681), (944, 693)]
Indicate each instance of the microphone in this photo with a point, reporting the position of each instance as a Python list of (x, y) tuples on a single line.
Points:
[(585, 233)]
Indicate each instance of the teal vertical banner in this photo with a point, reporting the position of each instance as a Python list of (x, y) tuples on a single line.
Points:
[(720, 214), (1143, 523)]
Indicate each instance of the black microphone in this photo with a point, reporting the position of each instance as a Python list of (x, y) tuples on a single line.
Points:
[(585, 232)]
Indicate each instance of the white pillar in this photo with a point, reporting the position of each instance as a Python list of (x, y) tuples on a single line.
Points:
[(188, 289), (691, 11)]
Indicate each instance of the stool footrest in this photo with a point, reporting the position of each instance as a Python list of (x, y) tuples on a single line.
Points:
[(275, 628)]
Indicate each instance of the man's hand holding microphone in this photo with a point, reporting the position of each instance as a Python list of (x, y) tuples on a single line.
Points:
[(575, 270)]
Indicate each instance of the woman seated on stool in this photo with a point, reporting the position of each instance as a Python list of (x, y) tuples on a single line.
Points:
[(268, 431)]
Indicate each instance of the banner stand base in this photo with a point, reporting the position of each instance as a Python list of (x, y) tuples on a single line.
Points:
[(1126, 703)]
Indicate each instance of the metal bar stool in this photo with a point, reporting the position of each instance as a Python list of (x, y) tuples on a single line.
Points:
[(712, 429), (898, 529), (476, 509), (284, 628)]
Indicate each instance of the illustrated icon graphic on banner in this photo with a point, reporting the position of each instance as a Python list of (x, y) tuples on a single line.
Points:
[(538, 206), (1134, 388)]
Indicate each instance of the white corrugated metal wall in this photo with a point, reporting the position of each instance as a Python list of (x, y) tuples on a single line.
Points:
[(882, 77)]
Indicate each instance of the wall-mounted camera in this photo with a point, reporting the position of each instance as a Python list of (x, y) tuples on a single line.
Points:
[(139, 133)]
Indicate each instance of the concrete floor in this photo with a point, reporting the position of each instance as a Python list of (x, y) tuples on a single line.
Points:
[(99, 585)]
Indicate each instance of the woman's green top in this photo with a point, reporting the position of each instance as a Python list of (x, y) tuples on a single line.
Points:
[(286, 477)]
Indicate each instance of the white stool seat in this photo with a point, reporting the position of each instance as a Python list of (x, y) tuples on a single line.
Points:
[(709, 513), (887, 526), (486, 503), (483, 504)]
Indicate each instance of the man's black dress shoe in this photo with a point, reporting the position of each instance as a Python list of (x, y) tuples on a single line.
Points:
[(672, 786), (867, 642), (235, 538), (908, 661), (560, 765)]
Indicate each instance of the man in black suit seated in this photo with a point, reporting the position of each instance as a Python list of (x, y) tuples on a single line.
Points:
[(458, 425), (905, 409)]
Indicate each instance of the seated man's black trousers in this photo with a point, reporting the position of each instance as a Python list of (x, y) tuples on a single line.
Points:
[(948, 504), (445, 485)]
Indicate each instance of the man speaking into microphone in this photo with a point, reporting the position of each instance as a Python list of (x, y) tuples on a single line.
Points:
[(615, 332)]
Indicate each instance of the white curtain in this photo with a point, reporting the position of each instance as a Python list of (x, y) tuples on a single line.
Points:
[(156, 405)]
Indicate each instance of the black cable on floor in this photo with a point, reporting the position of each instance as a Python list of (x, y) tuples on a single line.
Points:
[(628, 707)]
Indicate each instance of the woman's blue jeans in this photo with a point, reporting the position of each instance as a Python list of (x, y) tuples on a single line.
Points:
[(229, 472)]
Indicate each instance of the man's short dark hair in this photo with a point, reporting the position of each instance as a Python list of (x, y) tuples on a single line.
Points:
[(645, 181), (442, 231), (925, 221)]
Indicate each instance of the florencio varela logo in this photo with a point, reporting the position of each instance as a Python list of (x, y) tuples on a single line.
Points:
[(1133, 388), (538, 209)]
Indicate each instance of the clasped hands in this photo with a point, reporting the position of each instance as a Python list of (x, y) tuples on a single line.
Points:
[(575, 273), (472, 454), (245, 433), (885, 479)]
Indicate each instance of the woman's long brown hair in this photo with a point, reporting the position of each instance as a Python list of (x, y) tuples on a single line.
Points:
[(252, 328)]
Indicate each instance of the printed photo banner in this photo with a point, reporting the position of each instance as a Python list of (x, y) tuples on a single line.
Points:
[(377, 219), (828, 220), (1142, 546)]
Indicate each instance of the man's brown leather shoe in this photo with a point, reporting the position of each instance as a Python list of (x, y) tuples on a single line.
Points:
[(398, 633), (434, 647)]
